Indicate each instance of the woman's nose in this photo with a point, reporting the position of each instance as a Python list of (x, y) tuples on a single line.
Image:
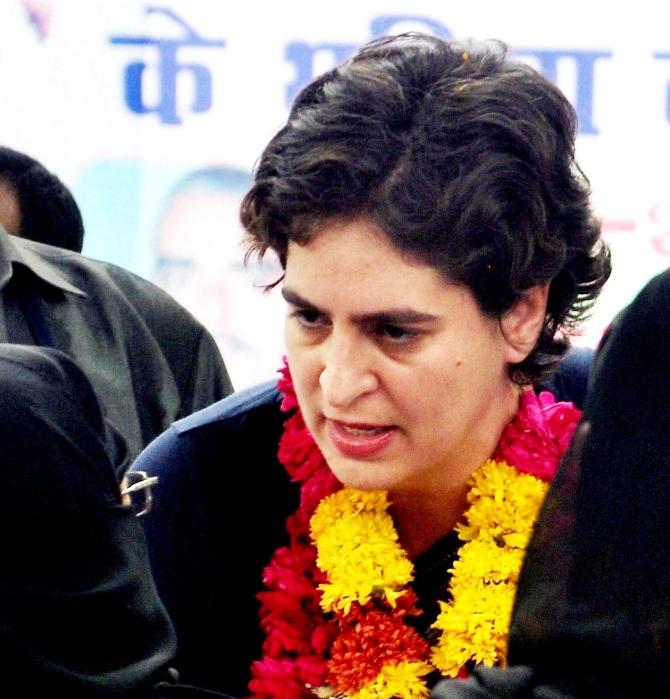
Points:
[(347, 372)]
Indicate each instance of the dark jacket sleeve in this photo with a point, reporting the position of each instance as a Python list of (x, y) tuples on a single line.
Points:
[(219, 513), (570, 381), (79, 614), (519, 682)]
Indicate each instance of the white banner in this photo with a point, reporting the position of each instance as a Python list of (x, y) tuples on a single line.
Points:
[(155, 114)]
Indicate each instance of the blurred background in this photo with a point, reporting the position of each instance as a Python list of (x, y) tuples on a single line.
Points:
[(154, 115)]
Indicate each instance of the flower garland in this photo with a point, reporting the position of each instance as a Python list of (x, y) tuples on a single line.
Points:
[(338, 598)]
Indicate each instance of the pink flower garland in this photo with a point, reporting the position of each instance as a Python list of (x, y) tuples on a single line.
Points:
[(538, 435)]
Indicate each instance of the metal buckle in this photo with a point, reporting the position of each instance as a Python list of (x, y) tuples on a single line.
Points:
[(138, 482)]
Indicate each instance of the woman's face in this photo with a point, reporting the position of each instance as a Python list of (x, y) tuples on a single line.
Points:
[(402, 380)]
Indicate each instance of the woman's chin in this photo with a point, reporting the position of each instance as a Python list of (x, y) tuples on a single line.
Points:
[(362, 476)]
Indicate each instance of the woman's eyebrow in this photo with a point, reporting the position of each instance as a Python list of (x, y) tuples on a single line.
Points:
[(295, 299), (391, 316), (397, 316)]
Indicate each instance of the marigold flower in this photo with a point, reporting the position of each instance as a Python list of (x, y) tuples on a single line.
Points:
[(358, 549), (401, 681), (368, 640)]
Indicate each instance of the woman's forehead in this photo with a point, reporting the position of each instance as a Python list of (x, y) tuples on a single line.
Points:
[(354, 266)]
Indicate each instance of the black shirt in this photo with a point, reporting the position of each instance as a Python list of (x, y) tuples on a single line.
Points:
[(149, 361)]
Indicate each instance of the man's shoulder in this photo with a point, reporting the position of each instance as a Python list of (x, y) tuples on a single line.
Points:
[(93, 275), (141, 314), (46, 372), (239, 407), (246, 424), (118, 288)]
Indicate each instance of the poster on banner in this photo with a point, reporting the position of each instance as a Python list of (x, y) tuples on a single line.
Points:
[(155, 113)]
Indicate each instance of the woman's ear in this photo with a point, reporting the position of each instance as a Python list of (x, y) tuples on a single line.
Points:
[(522, 323)]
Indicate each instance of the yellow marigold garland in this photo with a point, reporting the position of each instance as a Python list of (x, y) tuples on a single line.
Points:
[(358, 550), (503, 507), (401, 681), (360, 646)]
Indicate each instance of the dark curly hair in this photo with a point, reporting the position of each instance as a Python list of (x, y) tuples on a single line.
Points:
[(462, 156), (49, 212)]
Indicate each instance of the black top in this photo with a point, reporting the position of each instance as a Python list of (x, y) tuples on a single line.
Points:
[(149, 361), (79, 614)]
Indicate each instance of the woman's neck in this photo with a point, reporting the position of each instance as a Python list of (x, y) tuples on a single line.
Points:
[(423, 522), (424, 515)]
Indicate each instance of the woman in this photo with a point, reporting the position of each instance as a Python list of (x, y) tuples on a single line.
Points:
[(437, 244)]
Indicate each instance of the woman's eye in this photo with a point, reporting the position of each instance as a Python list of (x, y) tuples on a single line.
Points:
[(396, 333), (308, 318)]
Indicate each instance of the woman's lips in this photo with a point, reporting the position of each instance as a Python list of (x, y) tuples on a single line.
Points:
[(359, 441)]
